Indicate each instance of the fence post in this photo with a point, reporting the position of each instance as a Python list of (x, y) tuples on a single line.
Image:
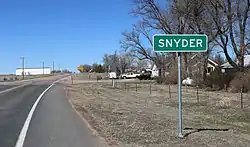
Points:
[(241, 98), (150, 88), (169, 90), (113, 83), (72, 82), (198, 99), (136, 87), (208, 94)]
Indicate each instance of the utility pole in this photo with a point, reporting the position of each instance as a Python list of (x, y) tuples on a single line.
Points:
[(43, 67), (53, 67), (59, 67), (22, 58)]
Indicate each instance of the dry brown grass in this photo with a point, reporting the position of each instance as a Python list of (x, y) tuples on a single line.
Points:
[(129, 118), (89, 76)]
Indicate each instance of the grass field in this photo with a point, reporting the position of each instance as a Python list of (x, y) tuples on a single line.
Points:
[(126, 117)]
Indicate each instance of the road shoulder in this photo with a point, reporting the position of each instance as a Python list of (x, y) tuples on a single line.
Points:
[(83, 116), (56, 124)]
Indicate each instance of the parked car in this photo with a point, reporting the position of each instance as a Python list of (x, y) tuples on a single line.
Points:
[(145, 75), (129, 75)]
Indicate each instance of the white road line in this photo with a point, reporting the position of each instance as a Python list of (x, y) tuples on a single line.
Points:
[(13, 88), (24, 130)]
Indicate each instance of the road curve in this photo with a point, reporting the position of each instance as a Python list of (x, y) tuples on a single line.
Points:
[(14, 108), (56, 124)]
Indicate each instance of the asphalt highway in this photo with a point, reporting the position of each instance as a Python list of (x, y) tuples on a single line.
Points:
[(4, 87), (54, 122)]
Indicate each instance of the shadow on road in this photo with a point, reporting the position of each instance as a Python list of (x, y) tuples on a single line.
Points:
[(195, 130)]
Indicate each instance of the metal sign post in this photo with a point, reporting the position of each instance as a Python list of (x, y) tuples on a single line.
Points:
[(179, 97), (180, 43)]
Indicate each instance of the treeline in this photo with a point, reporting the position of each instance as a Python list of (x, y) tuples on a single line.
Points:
[(61, 71), (98, 68), (115, 62), (225, 22)]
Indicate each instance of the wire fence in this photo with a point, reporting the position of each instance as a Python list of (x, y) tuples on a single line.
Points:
[(193, 95), (190, 94)]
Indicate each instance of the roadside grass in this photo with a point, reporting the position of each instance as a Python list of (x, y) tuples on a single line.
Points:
[(6, 78), (89, 76), (129, 118)]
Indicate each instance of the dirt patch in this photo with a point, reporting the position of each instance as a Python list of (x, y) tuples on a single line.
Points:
[(126, 117)]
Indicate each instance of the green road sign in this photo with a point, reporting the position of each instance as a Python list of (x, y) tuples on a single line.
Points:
[(180, 43)]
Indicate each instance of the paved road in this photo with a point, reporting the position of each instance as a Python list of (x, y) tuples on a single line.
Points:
[(54, 123), (4, 87), (14, 108)]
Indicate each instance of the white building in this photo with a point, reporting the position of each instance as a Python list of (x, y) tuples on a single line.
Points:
[(155, 71), (33, 71)]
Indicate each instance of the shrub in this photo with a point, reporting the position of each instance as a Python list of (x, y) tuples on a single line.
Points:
[(144, 76), (218, 80), (172, 77), (166, 80), (240, 81), (159, 80), (98, 77), (225, 102)]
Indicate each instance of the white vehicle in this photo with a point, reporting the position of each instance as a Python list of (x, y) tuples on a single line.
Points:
[(112, 75), (129, 75), (188, 81)]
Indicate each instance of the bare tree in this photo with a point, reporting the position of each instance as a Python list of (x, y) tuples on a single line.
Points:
[(111, 62), (140, 64), (125, 60), (231, 18), (132, 42), (118, 62), (196, 21), (154, 19), (224, 21), (219, 59), (154, 15)]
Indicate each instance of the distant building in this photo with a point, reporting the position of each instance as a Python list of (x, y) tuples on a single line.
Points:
[(246, 60), (227, 67), (33, 71), (211, 66), (155, 71), (196, 62)]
